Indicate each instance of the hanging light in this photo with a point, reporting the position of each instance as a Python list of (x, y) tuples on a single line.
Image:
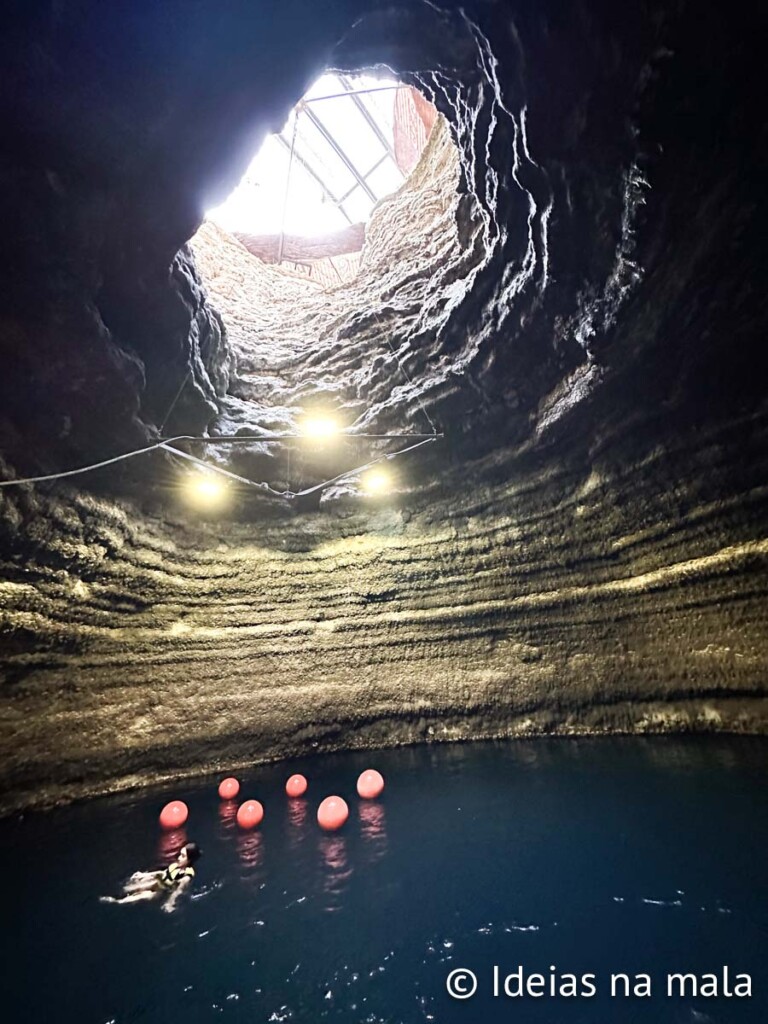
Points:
[(205, 490), (320, 426), (376, 481)]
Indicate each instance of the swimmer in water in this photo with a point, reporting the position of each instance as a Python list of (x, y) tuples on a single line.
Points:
[(173, 881)]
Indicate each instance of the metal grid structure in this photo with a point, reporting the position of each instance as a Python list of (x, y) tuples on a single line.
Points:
[(342, 140), (328, 167)]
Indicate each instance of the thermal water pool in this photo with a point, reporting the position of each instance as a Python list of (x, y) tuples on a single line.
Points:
[(590, 856)]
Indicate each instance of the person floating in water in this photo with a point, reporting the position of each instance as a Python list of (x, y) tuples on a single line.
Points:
[(173, 881)]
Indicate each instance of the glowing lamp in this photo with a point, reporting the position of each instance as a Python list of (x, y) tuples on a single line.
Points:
[(320, 427), (204, 490), (376, 481)]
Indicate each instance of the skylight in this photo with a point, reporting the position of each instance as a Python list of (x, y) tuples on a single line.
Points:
[(327, 168)]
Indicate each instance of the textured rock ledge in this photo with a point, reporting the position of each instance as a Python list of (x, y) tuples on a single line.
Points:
[(142, 650)]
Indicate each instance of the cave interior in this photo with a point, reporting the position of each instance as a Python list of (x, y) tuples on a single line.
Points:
[(560, 311)]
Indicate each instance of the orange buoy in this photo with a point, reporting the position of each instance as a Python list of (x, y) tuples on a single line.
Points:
[(332, 813), (174, 814), (228, 789), (250, 814), (370, 784), (296, 785)]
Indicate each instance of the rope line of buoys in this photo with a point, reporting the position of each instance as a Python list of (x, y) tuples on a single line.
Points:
[(332, 811)]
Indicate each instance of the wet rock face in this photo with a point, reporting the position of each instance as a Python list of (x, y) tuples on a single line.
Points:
[(585, 550)]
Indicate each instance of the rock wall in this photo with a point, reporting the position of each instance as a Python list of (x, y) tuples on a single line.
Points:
[(560, 598), (585, 550)]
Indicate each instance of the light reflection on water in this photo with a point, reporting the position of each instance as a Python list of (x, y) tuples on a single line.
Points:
[(336, 871), (170, 843), (632, 854), (373, 829), (250, 850), (297, 810), (227, 817)]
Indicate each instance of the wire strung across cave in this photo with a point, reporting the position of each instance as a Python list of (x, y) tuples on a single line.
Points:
[(407, 376), (167, 445), (289, 494)]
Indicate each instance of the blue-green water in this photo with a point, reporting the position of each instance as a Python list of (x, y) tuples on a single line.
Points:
[(591, 856)]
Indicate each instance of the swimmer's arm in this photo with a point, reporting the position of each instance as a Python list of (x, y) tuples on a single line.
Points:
[(170, 904)]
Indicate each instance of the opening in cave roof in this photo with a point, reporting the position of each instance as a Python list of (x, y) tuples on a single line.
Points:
[(310, 190)]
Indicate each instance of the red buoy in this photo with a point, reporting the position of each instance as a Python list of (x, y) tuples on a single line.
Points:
[(370, 784), (174, 814), (250, 814), (332, 813), (296, 785), (228, 789)]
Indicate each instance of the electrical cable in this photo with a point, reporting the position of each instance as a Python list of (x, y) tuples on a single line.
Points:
[(273, 438), (407, 377), (177, 396), (281, 243), (221, 471), (360, 469), (167, 442), (85, 469), (288, 494)]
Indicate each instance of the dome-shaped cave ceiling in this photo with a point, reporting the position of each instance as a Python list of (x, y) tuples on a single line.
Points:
[(567, 288)]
